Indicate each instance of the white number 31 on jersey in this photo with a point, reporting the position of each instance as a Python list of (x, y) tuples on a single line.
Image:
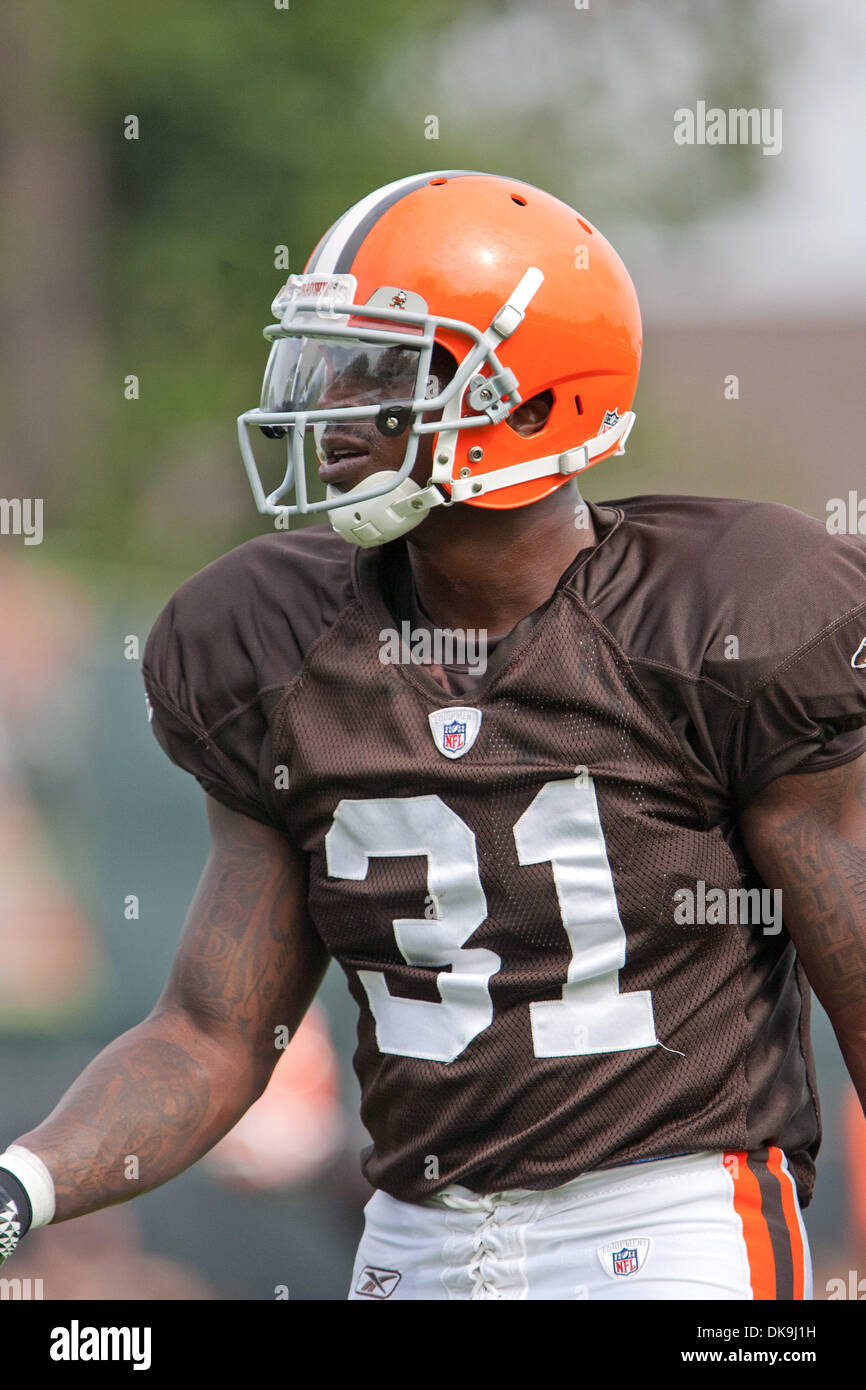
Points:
[(560, 827)]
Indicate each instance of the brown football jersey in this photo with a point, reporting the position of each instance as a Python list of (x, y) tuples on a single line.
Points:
[(532, 875)]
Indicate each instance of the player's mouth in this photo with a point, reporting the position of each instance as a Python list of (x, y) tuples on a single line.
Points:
[(345, 463)]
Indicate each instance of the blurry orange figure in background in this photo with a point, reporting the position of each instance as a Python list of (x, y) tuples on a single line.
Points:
[(298, 1123)]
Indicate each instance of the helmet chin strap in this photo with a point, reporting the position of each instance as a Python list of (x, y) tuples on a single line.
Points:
[(384, 518)]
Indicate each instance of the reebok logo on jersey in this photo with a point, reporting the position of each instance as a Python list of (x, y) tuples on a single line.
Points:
[(377, 1283), (622, 1258), (858, 660)]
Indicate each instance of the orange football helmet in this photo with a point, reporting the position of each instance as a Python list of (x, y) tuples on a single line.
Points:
[(523, 292)]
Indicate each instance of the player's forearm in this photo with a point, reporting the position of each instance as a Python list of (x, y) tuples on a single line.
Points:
[(149, 1105)]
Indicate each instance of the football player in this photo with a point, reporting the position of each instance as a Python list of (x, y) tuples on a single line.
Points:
[(575, 794)]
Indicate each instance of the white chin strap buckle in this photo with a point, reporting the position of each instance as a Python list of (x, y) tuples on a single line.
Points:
[(382, 518)]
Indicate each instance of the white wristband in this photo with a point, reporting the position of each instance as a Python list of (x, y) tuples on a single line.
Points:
[(36, 1180)]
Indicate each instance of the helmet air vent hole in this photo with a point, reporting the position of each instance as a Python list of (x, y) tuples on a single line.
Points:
[(516, 198), (585, 225), (578, 404), (434, 183)]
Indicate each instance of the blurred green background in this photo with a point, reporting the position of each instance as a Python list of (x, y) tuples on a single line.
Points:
[(154, 257)]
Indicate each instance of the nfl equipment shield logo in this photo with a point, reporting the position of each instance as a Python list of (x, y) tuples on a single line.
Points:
[(611, 418), (454, 736), (455, 730), (624, 1261), (622, 1258)]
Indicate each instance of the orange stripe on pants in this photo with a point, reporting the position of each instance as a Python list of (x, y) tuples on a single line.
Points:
[(756, 1232)]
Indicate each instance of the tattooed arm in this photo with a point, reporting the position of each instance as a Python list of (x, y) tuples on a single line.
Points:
[(169, 1089), (806, 834)]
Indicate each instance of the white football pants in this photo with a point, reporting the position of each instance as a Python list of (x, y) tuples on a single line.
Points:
[(702, 1226)]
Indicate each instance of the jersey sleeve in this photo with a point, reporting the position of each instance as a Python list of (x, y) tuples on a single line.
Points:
[(808, 712), (216, 733), (227, 648), (219, 658)]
